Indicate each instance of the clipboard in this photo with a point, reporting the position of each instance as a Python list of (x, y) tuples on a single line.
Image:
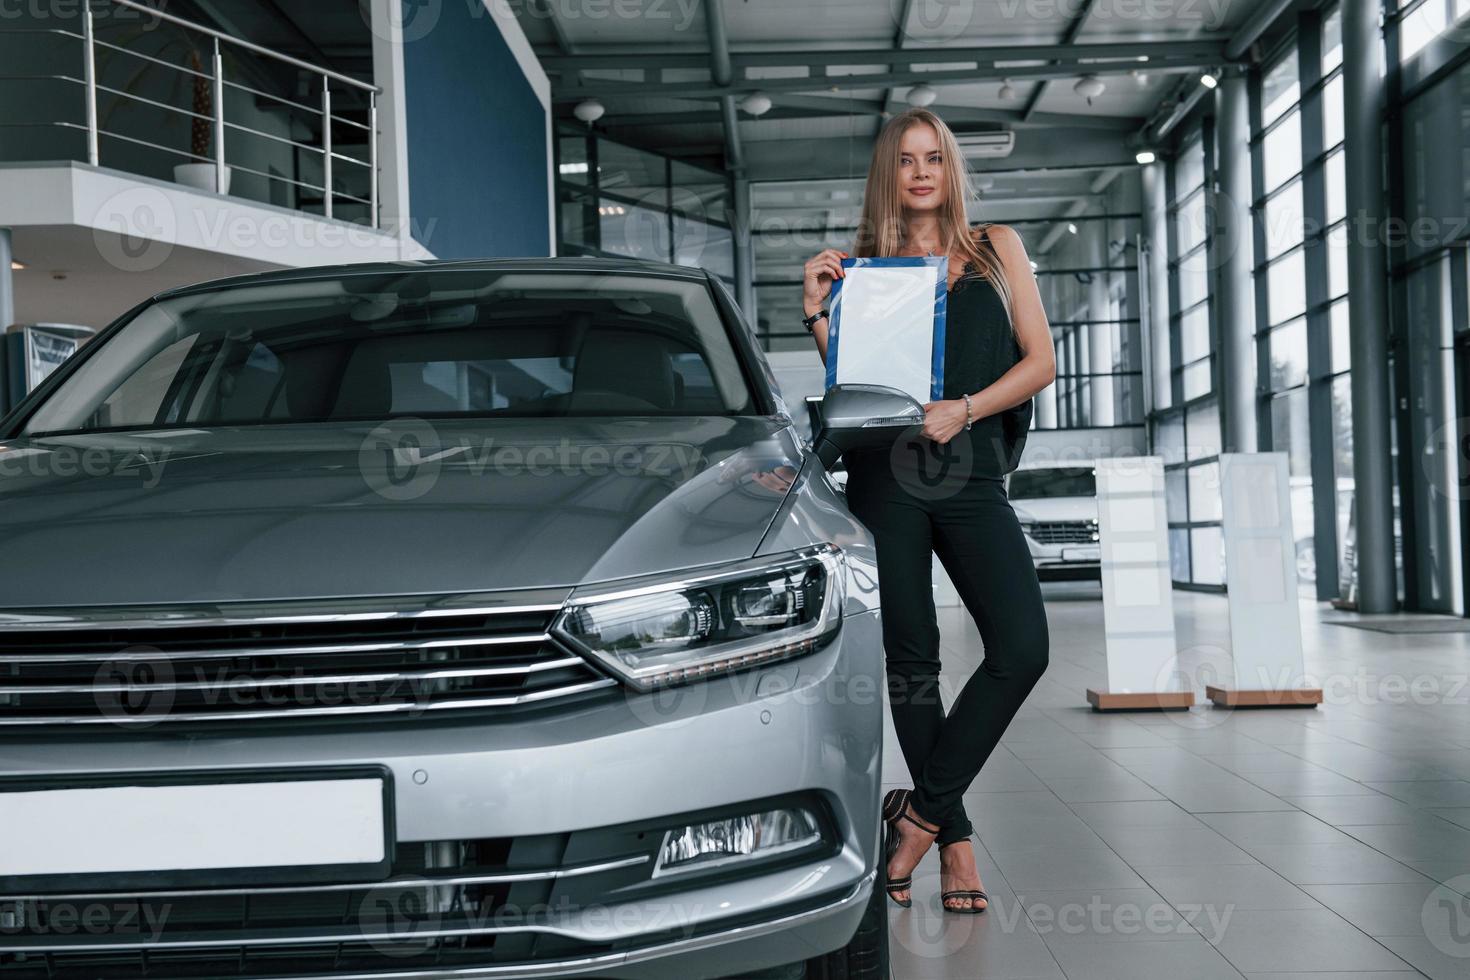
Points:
[(886, 324)]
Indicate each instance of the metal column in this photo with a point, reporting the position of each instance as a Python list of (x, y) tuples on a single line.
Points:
[(1368, 306), (1235, 294), (744, 252), (7, 281), (1099, 328), (1156, 234)]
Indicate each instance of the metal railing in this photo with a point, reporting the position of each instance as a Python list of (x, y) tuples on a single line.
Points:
[(218, 43)]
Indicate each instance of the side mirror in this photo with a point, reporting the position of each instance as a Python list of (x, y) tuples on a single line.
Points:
[(855, 416)]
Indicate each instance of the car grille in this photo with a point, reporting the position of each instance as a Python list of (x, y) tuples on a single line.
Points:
[(1063, 532), (494, 906), (448, 904), (284, 667)]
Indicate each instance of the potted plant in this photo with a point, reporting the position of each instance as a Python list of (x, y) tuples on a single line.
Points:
[(195, 173), (200, 171)]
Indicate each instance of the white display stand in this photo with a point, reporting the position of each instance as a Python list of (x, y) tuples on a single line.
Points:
[(1138, 597), (1260, 574)]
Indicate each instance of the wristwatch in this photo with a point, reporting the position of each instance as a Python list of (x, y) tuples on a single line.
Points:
[(811, 321)]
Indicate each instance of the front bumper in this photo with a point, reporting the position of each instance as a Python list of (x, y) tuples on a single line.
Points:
[(808, 726), (1065, 562)]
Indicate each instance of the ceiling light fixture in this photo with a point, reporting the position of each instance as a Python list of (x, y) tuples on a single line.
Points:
[(756, 103), (16, 265), (1208, 80), (922, 94), (589, 111), (1145, 156), (1089, 87)]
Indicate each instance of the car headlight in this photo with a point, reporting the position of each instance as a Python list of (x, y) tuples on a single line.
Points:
[(653, 633), (750, 837)]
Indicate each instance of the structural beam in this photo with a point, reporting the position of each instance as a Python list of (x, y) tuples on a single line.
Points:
[(7, 284), (1180, 112), (1368, 307), (722, 73), (1154, 263), (820, 107), (1068, 38), (1078, 206), (609, 89), (558, 29), (900, 35), (1234, 261), (1250, 32), (1015, 55)]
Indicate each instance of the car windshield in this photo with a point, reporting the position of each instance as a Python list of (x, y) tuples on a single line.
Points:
[(1052, 481), (432, 343)]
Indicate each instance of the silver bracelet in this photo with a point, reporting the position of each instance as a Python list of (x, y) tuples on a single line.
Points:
[(968, 418)]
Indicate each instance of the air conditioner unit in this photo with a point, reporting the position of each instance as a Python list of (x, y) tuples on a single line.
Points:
[(987, 145)]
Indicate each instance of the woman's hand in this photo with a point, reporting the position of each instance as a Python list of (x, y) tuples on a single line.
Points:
[(820, 272), (944, 420)]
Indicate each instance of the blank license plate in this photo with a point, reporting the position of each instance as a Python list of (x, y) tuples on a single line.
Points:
[(192, 827)]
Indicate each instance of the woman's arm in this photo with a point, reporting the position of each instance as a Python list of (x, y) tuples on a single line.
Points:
[(820, 272), (1037, 367)]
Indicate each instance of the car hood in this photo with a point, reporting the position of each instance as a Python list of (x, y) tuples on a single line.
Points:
[(407, 507)]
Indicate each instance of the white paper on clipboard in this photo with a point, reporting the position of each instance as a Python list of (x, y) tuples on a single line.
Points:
[(887, 325)]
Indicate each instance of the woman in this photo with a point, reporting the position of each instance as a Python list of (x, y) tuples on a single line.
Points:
[(944, 493)]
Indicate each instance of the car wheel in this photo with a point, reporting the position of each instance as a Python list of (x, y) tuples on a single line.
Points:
[(866, 956)]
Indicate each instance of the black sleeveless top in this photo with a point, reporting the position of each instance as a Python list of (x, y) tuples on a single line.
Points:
[(979, 347)]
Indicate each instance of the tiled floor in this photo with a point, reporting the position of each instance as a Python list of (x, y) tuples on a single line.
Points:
[(1326, 843)]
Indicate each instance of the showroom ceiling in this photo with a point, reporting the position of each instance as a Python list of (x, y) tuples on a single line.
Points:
[(833, 68)]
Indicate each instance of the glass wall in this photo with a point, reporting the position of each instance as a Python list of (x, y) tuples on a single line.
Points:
[(1192, 363), (1420, 22), (1431, 137), (617, 200), (1299, 206), (1187, 434), (1089, 286)]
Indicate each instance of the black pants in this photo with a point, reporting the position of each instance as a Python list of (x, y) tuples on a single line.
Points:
[(968, 522)]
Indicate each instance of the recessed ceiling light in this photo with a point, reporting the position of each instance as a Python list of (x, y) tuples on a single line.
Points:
[(1072, 227), (1208, 80), (1145, 156)]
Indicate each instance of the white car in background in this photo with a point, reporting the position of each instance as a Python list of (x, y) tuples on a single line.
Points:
[(1057, 507)]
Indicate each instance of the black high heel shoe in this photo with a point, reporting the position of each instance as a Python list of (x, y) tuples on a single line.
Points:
[(895, 803), (973, 894)]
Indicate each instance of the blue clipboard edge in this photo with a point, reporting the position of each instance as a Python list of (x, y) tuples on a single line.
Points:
[(941, 304)]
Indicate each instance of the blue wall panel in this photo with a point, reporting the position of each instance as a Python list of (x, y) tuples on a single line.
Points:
[(477, 166)]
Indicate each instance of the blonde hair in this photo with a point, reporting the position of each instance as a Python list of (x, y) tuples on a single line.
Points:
[(880, 232)]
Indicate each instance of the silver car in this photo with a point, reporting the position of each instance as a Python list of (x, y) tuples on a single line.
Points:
[(475, 619), (1056, 504)]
